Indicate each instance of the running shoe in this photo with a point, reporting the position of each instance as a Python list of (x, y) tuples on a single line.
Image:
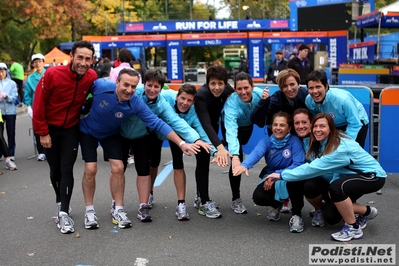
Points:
[(286, 206), (209, 210), (91, 220), (181, 212), (120, 218), (151, 201), (143, 213), (41, 157), (65, 223), (197, 202), (362, 220), (112, 209), (296, 224), (238, 207), (274, 214), (10, 165), (318, 219), (59, 210), (348, 232)]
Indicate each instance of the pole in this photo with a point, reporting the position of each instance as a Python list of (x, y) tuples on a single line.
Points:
[(239, 9), (166, 10)]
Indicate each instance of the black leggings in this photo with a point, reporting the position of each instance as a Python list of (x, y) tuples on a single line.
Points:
[(352, 186), (201, 169), (61, 158), (3, 144), (264, 197), (243, 135)]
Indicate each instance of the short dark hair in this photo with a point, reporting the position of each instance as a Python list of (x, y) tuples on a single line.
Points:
[(317, 75), (125, 55), (217, 72), (243, 76), (129, 71), (285, 115), (83, 44), (189, 89), (155, 75)]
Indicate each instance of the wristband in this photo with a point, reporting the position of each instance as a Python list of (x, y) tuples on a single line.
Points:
[(235, 158), (181, 143)]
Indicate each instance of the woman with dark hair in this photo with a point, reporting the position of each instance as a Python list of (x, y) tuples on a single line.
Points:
[(238, 128), (356, 173), (281, 150)]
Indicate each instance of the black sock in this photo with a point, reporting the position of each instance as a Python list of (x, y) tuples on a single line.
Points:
[(355, 225), (151, 193), (368, 211), (180, 201)]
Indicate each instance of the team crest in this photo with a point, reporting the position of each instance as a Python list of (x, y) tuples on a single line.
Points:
[(332, 115), (287, 153), (119, 115)]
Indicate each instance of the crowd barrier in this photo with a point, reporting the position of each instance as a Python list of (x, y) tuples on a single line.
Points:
[(388, 129)]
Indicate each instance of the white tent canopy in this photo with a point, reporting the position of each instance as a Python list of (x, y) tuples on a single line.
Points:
[(394, 7)]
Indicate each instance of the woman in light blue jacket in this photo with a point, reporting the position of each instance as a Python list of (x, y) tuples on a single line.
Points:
[(8, 95), (356, 173), (238, 127), (347, 112)]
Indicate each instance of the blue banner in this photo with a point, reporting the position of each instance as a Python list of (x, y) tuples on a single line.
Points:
[(361, 53), (214, 42), (255, 58), (203, 25), (174, 55)]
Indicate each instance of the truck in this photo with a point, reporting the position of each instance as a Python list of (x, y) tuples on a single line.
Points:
[(232, 60)]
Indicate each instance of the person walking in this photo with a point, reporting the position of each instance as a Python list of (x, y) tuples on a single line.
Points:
[(29, 93)]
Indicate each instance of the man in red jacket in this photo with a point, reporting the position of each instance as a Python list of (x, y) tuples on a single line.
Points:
[(59, 97)]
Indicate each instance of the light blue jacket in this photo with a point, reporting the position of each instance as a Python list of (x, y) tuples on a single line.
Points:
[(30, 86), (348, 154), (343, 107), (7, 106), (190, 116), (237, 113), (134, 128)]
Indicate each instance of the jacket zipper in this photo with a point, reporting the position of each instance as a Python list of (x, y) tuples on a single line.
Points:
[(73, 100)]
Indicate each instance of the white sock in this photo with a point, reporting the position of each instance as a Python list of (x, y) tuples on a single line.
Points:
[(117, 208), (89, 208)]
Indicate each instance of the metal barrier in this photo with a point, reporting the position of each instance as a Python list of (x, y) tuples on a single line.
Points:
[(389, 129)]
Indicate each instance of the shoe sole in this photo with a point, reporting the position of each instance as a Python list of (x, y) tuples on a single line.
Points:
[(273, 219), (240, 212), (121, 226), (348, 239), (208, 216), (296, 230), (145, 220), (318, 225), (184, 218), (94, 226)]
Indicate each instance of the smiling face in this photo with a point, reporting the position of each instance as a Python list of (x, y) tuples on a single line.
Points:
[(280, 127), (184, 101), (321, 129), (302, 125), (126, 87), (216, 86), (317, 90), (152, 89), (81, 60), (3, 74), (244, 90), (290, 88)]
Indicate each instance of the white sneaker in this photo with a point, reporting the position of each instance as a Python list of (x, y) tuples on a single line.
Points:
[(65, 223), (181, 212), (91, 220), (10, 165), (41, 157), (348, 232)]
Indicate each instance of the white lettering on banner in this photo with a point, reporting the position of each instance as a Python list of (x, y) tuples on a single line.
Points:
[(333, 52), (206, 25), (187, 25), (175, 66), (97, 49), (227, 25), (255, 52), (360, 53)]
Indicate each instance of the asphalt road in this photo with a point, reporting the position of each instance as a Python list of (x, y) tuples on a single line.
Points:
[(29, 235)]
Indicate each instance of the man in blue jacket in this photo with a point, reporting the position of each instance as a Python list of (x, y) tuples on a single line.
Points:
[(111, 105)]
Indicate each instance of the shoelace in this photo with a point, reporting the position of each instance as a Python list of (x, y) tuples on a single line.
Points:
[(182, 208), (211, 206), (145, 210), (66, 220), (318, 216), (90, 216), (122, 215), (295, 220), (344, 230)]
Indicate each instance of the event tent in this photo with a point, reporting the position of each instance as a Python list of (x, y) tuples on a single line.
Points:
[(385, 17), (59, 56)]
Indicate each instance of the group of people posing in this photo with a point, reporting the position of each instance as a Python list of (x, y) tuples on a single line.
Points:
[(312, 146)]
